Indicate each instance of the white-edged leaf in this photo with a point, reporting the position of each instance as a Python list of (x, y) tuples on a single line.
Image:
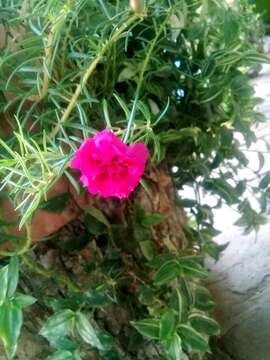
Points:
[(13, 276), (167, 272), (204, 324), (87, 331), (149, 328), (22, 300), (58, 325), (3, 283), (193, 338), (11, 318), (97, 214), (167, 324), (174, 347)]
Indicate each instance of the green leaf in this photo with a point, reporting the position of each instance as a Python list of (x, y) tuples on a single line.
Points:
[(173, 347), (213, 249), (265, 181), (58, 325), (168, 271), (150, 220), (127, 74), (63, 355), (187, 292), (203, 299), (98, 298), (13, 276), (204, 324), (87, 331), (94, 226), (179, 304), (57, 203), (192, 338), (11, 318), (261, 159), (255, 57), (63, 343), (222, 188), (230, 26), (167, 324), (22, 301), (106, 340), (3, 283), (191, 268), (146, 295), (148, 249), (149, 328), (97, 214), (172, 136)]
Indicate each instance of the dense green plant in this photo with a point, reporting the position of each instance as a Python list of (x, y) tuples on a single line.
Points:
[(172, 74)]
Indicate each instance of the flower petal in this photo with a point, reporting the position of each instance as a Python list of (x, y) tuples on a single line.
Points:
[(109, 167)]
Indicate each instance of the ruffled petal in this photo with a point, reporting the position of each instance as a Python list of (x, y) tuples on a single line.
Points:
[(109, 167)]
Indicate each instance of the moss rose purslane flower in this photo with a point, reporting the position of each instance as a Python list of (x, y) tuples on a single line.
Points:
[(108, 166)]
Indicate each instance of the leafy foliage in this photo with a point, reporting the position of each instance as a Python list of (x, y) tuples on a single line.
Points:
[(172, 74), (11, 305)]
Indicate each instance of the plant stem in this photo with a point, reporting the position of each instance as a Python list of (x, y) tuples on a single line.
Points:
[(47, 61), (90, 70)]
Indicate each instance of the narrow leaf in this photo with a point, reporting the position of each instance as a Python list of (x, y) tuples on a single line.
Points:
[(3, 283), (13, 276), (96, 213), (265, 181)]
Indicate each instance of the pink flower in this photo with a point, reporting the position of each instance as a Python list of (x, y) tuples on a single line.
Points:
[(108, 166)]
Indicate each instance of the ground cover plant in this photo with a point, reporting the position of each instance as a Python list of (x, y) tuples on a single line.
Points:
[(123, 104)]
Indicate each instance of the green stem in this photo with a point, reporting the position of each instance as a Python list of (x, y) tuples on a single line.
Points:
[(103, 6), (90, 70), (47, 61)]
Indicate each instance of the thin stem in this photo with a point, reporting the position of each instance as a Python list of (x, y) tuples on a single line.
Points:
[(47, 64), (90, 70), (106, 12)]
